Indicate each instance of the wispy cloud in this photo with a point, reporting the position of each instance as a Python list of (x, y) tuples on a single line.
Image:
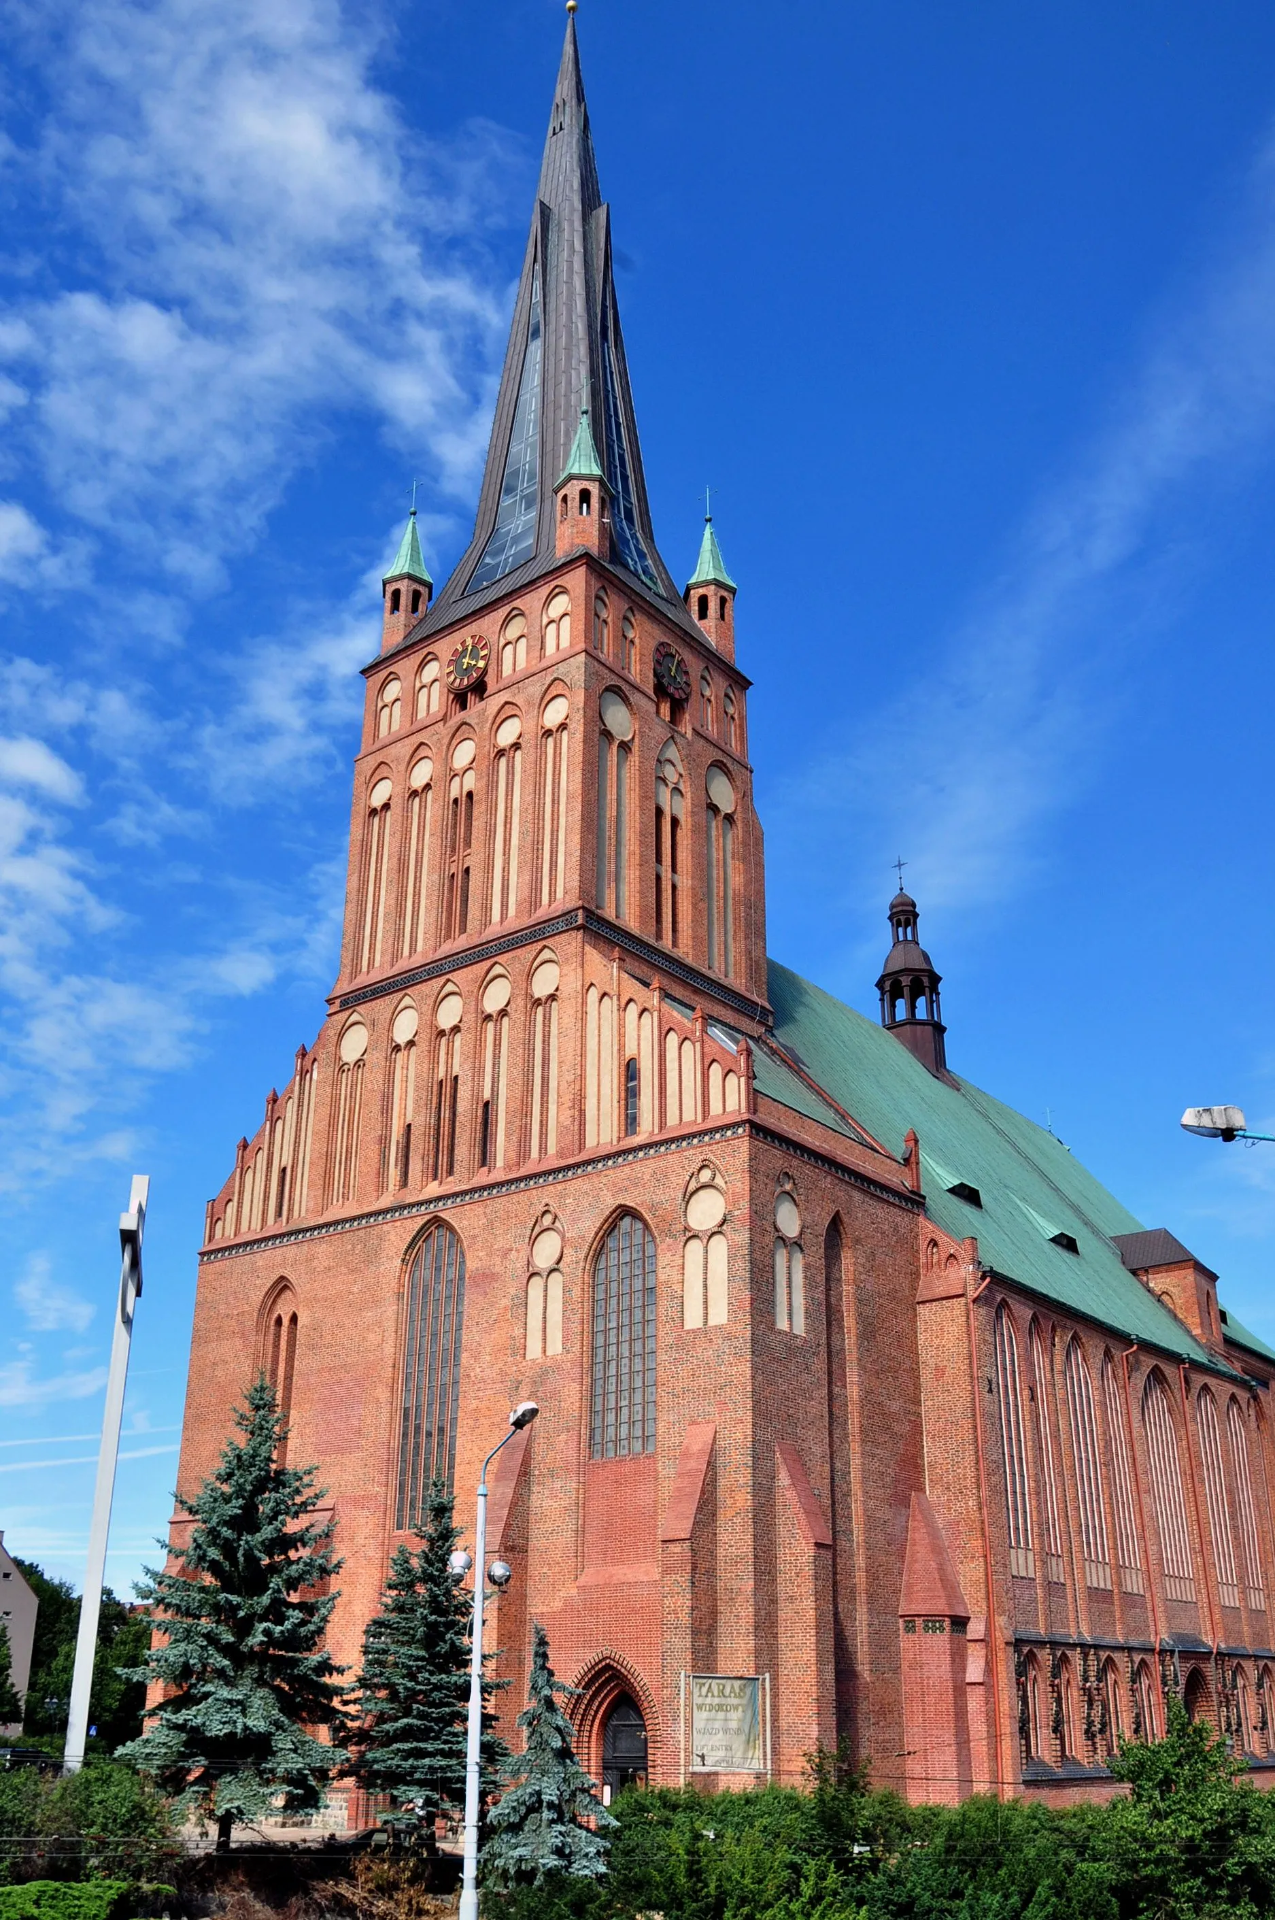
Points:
[(47, 1306), (83, 1459), (19, 1389)]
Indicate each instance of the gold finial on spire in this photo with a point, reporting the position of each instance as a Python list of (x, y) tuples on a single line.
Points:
[(571, 6)]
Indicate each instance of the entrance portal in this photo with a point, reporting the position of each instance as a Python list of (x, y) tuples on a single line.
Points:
[(623, 1747)]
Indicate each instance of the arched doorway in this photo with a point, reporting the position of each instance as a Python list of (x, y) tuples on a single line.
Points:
[(623, 1747)]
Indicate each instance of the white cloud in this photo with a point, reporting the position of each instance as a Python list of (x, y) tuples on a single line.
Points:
[(30, 763), (47, 1306), (23, 541), (18, 1389)]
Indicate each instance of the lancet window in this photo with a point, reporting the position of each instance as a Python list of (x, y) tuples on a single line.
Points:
[(507, 821), (419, 838), (555, 625), (639, 1069), (429, 688), (681, 1081), (1248, 1516), (348, 1111), (1166, 1486), (402, 1093), (599, 1067), (730, 718), (614, 754), (446, 1082), (376, 874), (435, 1315), (790, 1281), (1084, 1442), (1013, 1447), (544, 1058), (553, 799), (628, 642), (544, 1291), (513, 644), (1043, 1404), (705, 1254), (669, 810), (389, 706), (496, 995), (279, 1362), (601, 622), (622, 1416), (459, 846), (1128, 1551), (719, 886), (1215, 1497)]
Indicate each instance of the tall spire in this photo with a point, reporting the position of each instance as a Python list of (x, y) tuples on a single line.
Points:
[(565, 355)]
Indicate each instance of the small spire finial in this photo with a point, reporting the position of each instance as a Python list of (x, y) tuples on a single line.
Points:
[(900, 863), (708, 507), (415, 484), (571, 6)]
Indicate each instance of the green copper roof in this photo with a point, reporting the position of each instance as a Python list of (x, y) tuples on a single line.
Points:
[(584, 462), (409, 561), (710, 568), (1030, 1185)]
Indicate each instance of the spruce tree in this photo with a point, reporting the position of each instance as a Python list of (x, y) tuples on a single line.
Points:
[(535, 1829), (10, 1702), (244, 1667)]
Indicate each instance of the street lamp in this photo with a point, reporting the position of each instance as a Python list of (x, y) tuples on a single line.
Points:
[(1219, 1123), (500, 1575)]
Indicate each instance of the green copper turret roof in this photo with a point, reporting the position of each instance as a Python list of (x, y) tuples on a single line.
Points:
[(710, 568), (409, 561), (584, 462)]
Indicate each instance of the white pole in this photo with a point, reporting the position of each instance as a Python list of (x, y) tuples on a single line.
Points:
[(132, 1225)]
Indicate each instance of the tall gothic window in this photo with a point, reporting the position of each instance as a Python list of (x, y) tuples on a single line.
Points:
[(1248, 1516), (446, 1083), (731, 720), (790, 1265), (1084, 1442), (376, 874), (622, 1421), (398, 1168), (429, 688), (459, 845), (348, 1115), (628, 642), (719, 886), (1043, 1403), (1017, 1503), (601, 622), (435, 1307), (507, 826), (1128, 1552), (639, 1069), (556, 623), (279, 1361), (669, 811), (494, 1104), (553, 799), (544, 1058), (513, 537), (513, 644), (420, 821), (389, 706), (1215, 1496), (1166, 1485), (599, 1067), (614, 751)]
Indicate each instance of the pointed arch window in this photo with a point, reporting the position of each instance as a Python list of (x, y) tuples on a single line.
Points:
[(614, 751), (513, 537), (389, 706), (1128, 1552), (599, 1067), (731, 719), (719, 887), (545, 977), (459, 845), (790, 1265), (507, 823), (420, 828), (376, 874), (1111, 1718), (1045, 1453), (348, 1114), (669, 813), (1084, 1440), (446, 1082), (628, 642), (544, 1292), (556, 623), (1166, 1486), (622, 1418), (1215, 1498), (638, 1089), (706, 703), (496, 995), (398, 1156), (429, 688), (1014, 1452), (553, 799), (280, 1359), (1145, 1717), (1238, 1436), (435, 1316), (601, 622), (681, 1081), (513, 644)]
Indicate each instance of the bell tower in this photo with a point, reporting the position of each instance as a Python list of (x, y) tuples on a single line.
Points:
[(909, 989)]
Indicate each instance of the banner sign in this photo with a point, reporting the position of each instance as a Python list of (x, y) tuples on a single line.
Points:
[(726, 1731)]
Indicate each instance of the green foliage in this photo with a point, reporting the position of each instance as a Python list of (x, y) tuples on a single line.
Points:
[(115, 1704), (10, 1703), (244, 1664), (534, 1832), (414, 1686), (104, 1820), (63, 1900)]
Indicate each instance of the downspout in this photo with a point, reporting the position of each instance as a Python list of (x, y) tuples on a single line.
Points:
[(1137, 1488), (993, 1638)]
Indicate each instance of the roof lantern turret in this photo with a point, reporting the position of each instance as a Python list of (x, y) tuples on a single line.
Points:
[(909, 990), (710, 593), (406, 588), (583, 497)]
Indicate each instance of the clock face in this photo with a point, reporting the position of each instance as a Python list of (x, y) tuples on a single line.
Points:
[(468, 662), (671, 671)]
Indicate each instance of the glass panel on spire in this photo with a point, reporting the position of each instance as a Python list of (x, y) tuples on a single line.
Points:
[(513, 538), (624, 525)]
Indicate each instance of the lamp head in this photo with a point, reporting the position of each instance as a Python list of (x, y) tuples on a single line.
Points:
[(458, 1565), (1214, 1123), (523, 1414), (500, 1573)]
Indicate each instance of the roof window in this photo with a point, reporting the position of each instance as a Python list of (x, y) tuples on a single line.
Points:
[(1067, 1241), (962, 1190)]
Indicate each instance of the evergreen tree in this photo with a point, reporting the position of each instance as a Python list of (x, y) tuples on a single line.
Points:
[(244, 1667), (414, 1686), (10, 1702), (535, 1829)]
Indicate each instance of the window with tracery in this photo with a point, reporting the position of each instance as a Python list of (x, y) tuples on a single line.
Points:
[(1166, 1486), (614, 751), (1084, 1441), (446, 1083), (1111, 1716), (513, 644), (622, 1418), (1013, 1448), (376, 874), (719, 888), (553, 799), (429, 688), (601, 622), (790, 1280), (419, 835), (544, 1291), (544, 1058), (435, 1313), (1043, 1403), (459, 844), (1248, 1514), (389, 706), (705, 1254), (1128, 1551), (556, 624), (495, 998), (1215, 1498), (669, 811), (506, 789), (398, 1156), (347, 1119), (1146, 1723)]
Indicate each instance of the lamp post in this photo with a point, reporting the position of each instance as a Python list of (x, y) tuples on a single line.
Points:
[(132, 1226), (1219, 1123), (499, 1575)]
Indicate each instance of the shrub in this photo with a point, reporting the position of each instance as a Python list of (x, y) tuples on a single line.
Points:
[(56, 1900)]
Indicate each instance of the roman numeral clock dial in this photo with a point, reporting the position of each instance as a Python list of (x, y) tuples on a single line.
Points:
[(468, 663)]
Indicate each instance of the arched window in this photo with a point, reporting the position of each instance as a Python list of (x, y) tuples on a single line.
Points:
[(556, 625), (719, 884), (1166, 1486), (599, 1067), (706, 703), (622, 1421), (701, 607), (1084, 1440), (723, 1088), (705, 1254), (1043, 1402), (628, 642), (614, 750), (507, 822), (348, 1114), (279, 1361), (300, 1189), (1030, 1723), (429, 688), (459, 844), (513, 644), (553, 799), (544, 1291), (446, 1082), (1248, 1516), (435, 1314), (601, 622), (1215, 1497), (1014, 1452), (496, 995), (669, 809), (1111, 1718), (1244, 1704), (730, 717), (420, 825), (376, 874), (1128, 1552), (398, 1168), (396, 599), (1067, 1727), (389, 706), (416, 601), (1146, 1720), (1265, 1707), (681, 1081), (544, 1058), (790, 1281)]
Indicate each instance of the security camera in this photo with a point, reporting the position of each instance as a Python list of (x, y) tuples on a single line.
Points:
[(500, 1573)]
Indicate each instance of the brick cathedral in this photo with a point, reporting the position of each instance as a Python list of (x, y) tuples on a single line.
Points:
[(866, 1413)]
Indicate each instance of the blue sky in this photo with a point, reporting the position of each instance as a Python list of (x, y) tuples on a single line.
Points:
[(968, 315)]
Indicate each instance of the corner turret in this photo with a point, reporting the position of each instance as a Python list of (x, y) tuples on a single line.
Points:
[(710, 594), (582, 498), (405, 589)]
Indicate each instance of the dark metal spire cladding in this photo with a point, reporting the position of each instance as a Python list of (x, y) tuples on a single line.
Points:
[(565, 352)]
